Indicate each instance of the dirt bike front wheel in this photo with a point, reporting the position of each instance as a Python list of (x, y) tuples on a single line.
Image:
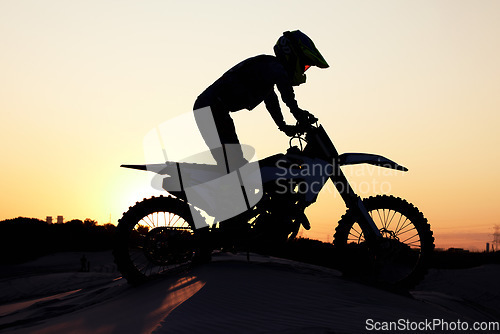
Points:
[(401, 258), (155, 237)]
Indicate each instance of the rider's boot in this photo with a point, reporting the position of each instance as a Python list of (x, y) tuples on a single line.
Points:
[(298, 213), (203, 253), (302, 219)]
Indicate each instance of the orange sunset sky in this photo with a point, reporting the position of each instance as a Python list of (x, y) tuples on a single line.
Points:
[(82, 82)]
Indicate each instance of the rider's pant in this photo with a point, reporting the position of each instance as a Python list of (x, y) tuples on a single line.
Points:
[(226, 132)]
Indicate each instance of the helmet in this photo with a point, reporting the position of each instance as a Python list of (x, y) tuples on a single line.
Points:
[(297, 53)]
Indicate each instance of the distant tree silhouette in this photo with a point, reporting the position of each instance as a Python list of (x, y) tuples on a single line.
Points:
[(23, 220), (109, 227), (23, 239), (89, 223), (142, 229), (74, 222)]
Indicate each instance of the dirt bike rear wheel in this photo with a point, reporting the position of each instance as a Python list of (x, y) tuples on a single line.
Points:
[(155, 237), (401, 258)]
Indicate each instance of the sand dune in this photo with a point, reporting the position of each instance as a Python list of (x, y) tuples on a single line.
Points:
[(231, 295)]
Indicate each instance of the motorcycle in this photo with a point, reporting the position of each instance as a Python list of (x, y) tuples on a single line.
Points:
[(380, 239)]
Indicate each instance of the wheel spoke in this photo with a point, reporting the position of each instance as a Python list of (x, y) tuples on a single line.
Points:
[(380, 218), (150, 220), (390, 221), (157, 242), (413, 236), (178, 218), (358, 232), (145, 221), (407, 240), (355, 237), (403, 225), (385, 214), (406, 231)]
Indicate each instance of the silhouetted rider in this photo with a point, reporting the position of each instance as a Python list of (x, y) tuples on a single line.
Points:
[(251, 82)]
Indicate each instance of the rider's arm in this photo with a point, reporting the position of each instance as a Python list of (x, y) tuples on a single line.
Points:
[(288, 96), (276, 73), (273, 106), (287, 93)]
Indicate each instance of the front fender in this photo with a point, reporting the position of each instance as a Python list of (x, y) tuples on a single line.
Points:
[(367, 158)]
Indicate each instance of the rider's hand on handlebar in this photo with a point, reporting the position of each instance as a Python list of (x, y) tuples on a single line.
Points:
[(289, 130), (304, 116)]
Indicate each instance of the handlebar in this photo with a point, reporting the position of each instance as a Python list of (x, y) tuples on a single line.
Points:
[(305, 125), (302, 128)]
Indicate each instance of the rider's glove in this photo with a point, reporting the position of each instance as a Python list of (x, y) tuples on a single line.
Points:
[(304, 116), (289, 130)]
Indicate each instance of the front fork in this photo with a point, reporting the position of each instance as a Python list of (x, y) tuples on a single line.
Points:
[(371, 231), (354, 202), (322, 146)]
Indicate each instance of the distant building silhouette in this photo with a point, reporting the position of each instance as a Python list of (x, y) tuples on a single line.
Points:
[(60, 219), (49, 219)]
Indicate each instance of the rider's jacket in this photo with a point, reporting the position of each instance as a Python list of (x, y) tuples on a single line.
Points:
[(249, 83)]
